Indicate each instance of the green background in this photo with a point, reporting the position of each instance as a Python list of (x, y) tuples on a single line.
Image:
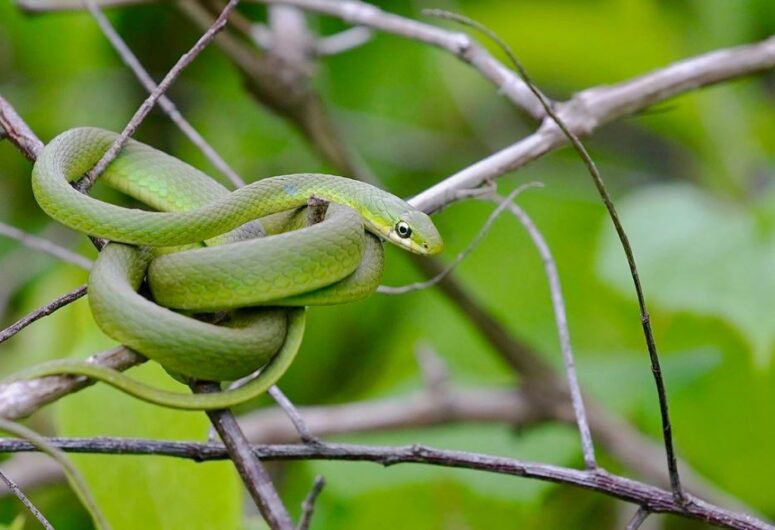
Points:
[(693, 178)]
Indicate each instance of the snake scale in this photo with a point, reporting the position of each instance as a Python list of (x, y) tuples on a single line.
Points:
[(196, 250)]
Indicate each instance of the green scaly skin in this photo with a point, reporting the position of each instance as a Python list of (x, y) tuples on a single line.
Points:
[(334, 261)]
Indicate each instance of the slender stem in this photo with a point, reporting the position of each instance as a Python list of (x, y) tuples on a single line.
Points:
[(656, 500), (20, 399), (44, 245), (41, 312), (638, 518), (253, 473), (308, 506), (502, 207), (25, 501), (165, 103), (45, 6), (293, 414), (18, 132), (561, 319), (667, 430), (88, 181), (456, 43)]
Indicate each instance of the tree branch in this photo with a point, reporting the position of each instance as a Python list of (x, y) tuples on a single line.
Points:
[(652, 498), (220, 22), (457, 43), (44, 245), (591, 109), (165, 103), (308, 506), (41, 312), (18, 132), (45, 6), (561, 319), (21, 398), (13, 488), (278, 85), (254, 475)]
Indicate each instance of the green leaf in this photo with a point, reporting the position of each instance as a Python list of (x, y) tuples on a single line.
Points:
[(698, 254)]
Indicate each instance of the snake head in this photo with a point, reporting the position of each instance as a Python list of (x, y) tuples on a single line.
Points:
[(414, 231)]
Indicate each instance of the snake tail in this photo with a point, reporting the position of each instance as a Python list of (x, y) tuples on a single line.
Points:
[(268, 376)]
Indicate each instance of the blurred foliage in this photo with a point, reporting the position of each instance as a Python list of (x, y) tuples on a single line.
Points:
[(693, 178)]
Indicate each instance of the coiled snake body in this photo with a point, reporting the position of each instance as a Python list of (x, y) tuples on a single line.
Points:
[(264, 283)]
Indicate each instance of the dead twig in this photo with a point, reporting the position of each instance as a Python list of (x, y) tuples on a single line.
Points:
[(254, 475), (220, 22), (19, 494), (652, 498)]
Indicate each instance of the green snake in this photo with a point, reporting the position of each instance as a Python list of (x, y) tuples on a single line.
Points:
[(198, 254)]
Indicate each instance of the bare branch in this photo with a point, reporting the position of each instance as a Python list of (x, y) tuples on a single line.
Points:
[(308, 506), (290, 40), (457, 43), (87, 181), (421, 409), (21, 398), (652, 498), (44, 6), (385, 289), (589, 110), (165, 103), (561, 319), (26, 502), (637, 518), (293, 414), (343, 41), (44, 245), (446, 406), (18, 132), (672, 464), (277, 85), (41, 312), (254, 475)]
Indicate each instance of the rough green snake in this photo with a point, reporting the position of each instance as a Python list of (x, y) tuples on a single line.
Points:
[(197, 253)]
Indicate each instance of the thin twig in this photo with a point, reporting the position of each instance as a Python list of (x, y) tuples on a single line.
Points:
[(41, 312), (45, 6), (434, 371), (165, 102), (656, 370), (220, 22), (656, 500), (343, 41), (18, 132), (254, 475), (74, 477), (385, 289), (595, 107), (293, 414), (44, 245), (561, 320), (21, 398), (638, 518), (459, 44), (456, 405), (26, 502), (278, 86), (308, 506)]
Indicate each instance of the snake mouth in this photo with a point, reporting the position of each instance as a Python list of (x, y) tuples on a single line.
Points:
[(429, 247)]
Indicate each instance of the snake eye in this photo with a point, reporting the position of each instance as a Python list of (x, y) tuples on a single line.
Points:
[(403, 230)]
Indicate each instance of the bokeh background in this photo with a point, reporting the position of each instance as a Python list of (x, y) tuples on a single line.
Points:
[(693, 178)]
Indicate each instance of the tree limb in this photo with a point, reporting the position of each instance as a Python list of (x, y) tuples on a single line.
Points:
[(652, 498)]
